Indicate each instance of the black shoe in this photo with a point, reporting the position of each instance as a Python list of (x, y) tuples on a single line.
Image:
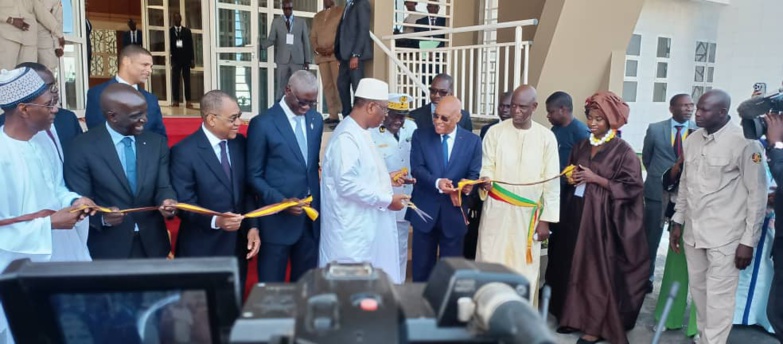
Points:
[(585, 341), (649, 287), (566, 330), (331, 121)]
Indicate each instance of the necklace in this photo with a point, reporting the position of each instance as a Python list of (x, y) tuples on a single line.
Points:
[(608, 137)]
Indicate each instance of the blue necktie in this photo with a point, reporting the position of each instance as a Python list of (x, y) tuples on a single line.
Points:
[(445, 144), (130, 163), (300, 137), (224, 159)]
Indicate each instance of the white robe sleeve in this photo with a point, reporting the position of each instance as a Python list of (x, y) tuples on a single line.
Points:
[(353, 183), (28, 237)]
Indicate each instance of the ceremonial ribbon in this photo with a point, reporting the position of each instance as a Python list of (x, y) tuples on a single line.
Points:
[(501, 194), (261, 212), (456, 196)]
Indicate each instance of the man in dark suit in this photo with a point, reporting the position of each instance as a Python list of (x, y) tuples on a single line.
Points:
[(283, 159), (352, 47), (66, 126), (662, 146), (441, 156), (132, 36), (442, 85), (433, 21), (135, 67), (208, 170), (119, 165), (182, 59)]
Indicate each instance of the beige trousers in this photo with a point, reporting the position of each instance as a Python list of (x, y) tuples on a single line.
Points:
[(713, 279), (329, 71), (13, 53)]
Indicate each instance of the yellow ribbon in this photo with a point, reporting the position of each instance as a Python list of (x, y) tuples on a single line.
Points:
[(261, 212)]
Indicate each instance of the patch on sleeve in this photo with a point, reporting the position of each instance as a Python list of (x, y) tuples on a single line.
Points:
[(756, 157)]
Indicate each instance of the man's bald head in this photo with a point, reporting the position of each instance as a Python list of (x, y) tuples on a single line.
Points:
[(712, 110), (447, 114), (523, 103), (125, 109)]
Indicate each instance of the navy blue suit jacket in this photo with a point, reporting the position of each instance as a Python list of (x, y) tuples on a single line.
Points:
[(423, 118), (277, 170), (94, 116), (198, 179), (93, 169), (427, 165), (67, 126)]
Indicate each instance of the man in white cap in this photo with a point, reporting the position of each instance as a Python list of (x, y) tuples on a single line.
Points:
[(393, 141), (358, 223), (34, 200)]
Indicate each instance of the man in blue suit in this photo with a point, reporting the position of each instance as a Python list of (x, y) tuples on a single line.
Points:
[(660, 151), (283, 159), (66, 126), (442, 85), (208, 170), (441, 156), (135, 67)]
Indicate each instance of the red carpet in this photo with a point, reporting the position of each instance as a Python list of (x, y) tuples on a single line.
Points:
[(178, 128)]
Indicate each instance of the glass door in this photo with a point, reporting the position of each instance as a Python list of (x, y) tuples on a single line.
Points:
[(235, 52), (155, 18), (72, 73)]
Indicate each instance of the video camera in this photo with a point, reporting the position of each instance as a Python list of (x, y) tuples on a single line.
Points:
[(463, 302), (753, 111), (196, 300)]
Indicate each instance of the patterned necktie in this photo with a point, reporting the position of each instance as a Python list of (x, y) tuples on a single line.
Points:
[(300, 136), (445, 144), (224, 159), (678, 141), (130, 163), (56, 147), (288, 24)]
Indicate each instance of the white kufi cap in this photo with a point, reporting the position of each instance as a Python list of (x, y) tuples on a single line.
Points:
[(19, 86), (372, 89)]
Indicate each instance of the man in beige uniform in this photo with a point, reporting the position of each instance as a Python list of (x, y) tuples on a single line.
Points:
[(721, 203), (322, 37), (50, 41), (19, 22)]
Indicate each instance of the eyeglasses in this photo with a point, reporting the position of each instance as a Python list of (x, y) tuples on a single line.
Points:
[(520, 106), (233, 118), (311, 104), (52, 104), (53, 88), (384, 109), (443, 118), (441, 92), (288, 8)]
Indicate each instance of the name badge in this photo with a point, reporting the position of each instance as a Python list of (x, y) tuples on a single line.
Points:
[(580, 190), (179, 43), (289, 39)]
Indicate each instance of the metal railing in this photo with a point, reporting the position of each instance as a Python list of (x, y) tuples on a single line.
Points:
[(481, 72)]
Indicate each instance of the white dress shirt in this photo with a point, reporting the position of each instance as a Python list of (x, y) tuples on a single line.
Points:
[(450, 144), (120, 80), (214, 142), (292, 117)]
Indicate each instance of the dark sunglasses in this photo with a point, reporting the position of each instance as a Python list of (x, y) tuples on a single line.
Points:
[(442, 93), (443, 118)]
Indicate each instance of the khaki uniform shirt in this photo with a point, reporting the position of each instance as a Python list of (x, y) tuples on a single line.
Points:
[(324, 30), (33, 12), (723, 189)]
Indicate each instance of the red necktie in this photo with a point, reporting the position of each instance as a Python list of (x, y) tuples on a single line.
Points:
[(678, 141)]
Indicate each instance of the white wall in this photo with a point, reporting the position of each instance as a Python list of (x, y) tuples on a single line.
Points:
[(750, 32), (685, 22)]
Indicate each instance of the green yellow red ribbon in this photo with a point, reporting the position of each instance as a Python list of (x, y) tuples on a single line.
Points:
[(501, 194)]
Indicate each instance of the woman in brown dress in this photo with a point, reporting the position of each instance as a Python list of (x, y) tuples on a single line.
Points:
[(603, 245)]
